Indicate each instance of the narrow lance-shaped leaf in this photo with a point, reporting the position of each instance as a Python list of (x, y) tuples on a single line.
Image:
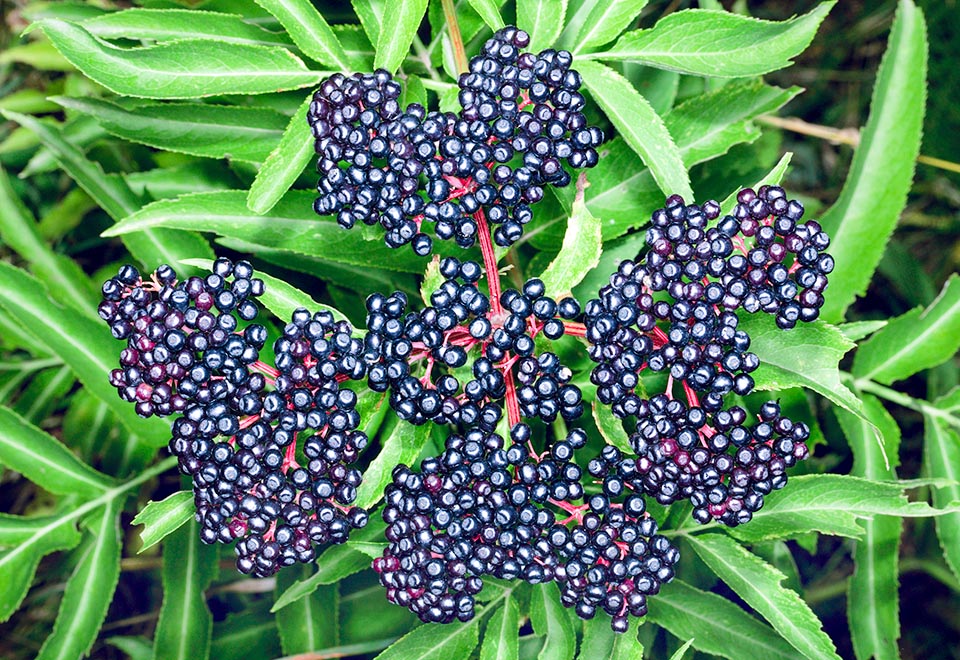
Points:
[(197, 129), (941, 460), (188, 68), (402, 446), (716, 625), (542, 19), (311, 623), (500, 640), (162, 518), (580, 251), (370, 13), (601, 643), (310, 31), (393, 43), (875, 191), (758, 583), (873, 603), (607, 20), (185, 623), (489, 11), (611, 427), (284, 164), (83, 344), (639, 126), (89, 590), (178, 24), (454, 640), (114, 196), (718, 43), (549, 619), (44, 460), (920, 339)]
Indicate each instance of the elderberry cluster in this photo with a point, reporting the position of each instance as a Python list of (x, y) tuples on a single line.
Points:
[(521, 118)]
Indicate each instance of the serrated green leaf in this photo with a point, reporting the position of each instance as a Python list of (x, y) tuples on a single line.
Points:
[(44, 460), (89, 590), (83, 344), (197, 129), (640, 127), (579, 253), (159, 519), (806, 356), (601, 643), (873, 604), (79, 131), (543, 21), (311, 623), (370, 13), (489, 11), (715, 625), (610, 427), (772, 178), (188, 68), (857, 330), (605, 21), (454, 640), (244, 637), (176, 24), (32, 539), (44, 393), (114, 196), (920, 339), (831, 504), (941, 460), (758, 583), (39, 55), (718, 44), (284, 164), (309, 31), (550, 620), (500, 639), (393, 44), (678, 654), (403, 445), (290, 225), (63, 277), (875, 190), (185, 624)]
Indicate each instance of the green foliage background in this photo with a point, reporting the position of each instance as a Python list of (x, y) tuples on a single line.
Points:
[(165, 131)]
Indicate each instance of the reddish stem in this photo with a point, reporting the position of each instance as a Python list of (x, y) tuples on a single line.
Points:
[(489, 262), (513, 406), (574, 329)]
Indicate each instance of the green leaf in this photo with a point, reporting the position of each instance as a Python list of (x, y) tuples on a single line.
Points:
[(312, 622), (500, 639), (605, 21), (550, 620), (875, 190), (162, 518), (244, 637), (758, 583), (370, 13), (489, 11), (90, 589), (284, 164), (920, 339), (393, 44), (114, 196), (188, 68), (601, 643), (290, 225), (580, 251), (678, 655), (806, 356), (831, 504), (44, 394), (44, 460), (185, 624), (197, 129), (873, 604), (83, 344), (717, 43), (772, 178), (640, 127), (542, 19), (454, 640), (63, 277), (941, 460), (403, 445), (611, 428), (31, 539), (310, 31), (176, 24), (715, 624), (857, 330)]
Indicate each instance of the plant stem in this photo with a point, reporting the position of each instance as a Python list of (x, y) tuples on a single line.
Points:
[(867, 385), (489, 262), (459, 53)]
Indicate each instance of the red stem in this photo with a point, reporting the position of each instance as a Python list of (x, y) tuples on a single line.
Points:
[(489, 262)]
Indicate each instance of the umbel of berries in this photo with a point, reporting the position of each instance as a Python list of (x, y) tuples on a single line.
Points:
[(418, 173)]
